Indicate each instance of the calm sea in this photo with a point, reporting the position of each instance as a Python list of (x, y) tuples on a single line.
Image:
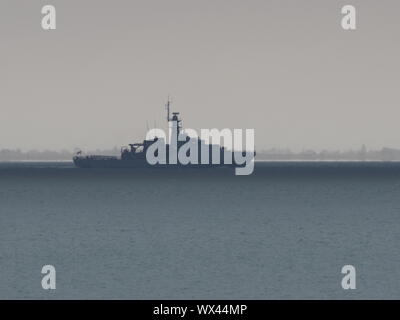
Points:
[(282, 233)]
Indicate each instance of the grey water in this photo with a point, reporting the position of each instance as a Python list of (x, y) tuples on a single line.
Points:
[(283, 232)]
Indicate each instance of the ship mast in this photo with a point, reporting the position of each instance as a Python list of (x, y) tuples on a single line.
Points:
[(167, 107), (174, 122)]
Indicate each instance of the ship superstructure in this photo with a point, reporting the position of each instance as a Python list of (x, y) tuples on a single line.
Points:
[(134, 155)]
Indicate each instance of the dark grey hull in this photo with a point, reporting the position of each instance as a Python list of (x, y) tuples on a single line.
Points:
[(109, 163), (82, 162)]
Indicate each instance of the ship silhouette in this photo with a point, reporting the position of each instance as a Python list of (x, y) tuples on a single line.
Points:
[(134, 156)]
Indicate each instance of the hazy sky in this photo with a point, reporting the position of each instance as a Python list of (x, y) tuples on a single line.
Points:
[(285, 68)]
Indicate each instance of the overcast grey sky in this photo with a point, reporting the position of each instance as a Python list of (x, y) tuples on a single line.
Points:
[(285, 68)]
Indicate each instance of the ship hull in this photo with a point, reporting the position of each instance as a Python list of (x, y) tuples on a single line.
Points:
[(109, 163), (119, 163)]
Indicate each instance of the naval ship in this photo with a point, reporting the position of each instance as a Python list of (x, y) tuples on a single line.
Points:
[(134, 155)]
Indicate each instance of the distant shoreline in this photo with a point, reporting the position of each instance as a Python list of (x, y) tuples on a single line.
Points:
[(271, 155), (257, 160)]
